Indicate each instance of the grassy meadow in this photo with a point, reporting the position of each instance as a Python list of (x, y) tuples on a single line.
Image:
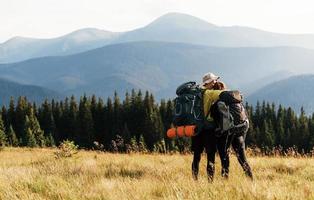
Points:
[(36, 174)]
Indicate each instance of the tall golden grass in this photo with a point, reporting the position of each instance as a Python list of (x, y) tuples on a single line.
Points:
[(37, 174)]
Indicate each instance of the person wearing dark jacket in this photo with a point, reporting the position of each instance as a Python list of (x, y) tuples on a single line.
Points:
[(206, 138)]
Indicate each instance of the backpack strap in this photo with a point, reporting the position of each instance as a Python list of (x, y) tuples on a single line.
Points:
[(242, 124), (202, 99)]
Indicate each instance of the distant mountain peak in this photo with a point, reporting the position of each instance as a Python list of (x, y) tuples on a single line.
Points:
[(91, 31), (88, 34), (181, 20)]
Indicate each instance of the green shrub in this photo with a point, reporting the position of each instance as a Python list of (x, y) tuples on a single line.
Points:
[(66, 149)]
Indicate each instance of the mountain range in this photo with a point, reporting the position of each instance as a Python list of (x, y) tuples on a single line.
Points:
[(158, 57), (172, 27), (156, 66), (21, 48)]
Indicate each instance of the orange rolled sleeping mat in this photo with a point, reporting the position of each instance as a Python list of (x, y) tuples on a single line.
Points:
[(181, 131)]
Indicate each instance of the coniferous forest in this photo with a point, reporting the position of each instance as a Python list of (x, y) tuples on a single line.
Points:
[(137, 122)]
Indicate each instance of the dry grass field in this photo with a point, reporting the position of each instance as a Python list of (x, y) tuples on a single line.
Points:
[(37, 174)]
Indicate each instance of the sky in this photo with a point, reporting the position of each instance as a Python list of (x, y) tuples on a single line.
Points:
[(53, 18)]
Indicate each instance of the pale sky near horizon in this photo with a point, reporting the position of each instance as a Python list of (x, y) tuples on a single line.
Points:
[(52, 18)]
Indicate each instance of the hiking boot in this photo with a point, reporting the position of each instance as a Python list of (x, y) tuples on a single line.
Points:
[(225, 173), (195, 168), (247, 170), (210, 171)]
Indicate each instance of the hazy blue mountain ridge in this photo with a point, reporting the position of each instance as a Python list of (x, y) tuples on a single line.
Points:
[(156, 66), (19, 48), (295, 91), (172, 27), (33, 93)]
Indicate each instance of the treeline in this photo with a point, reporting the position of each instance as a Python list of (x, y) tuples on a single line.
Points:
[(136, 123), (282, 127)]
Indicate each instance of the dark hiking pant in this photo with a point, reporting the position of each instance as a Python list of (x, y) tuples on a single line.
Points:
[(204, 140), (238, 145), (208, 141), (222, 147)]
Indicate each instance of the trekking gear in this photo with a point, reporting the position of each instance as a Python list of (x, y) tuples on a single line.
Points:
[(181, 131), (229, 113), (189, 108)]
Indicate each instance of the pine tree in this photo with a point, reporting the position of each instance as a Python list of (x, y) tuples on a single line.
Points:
[(257, 119), (3, 138), (267, 135), (86, 132), (93, 107), (290, 123), (153, 131), (280, 131), (12, 139), (46, 118), (19, 118), (117, 125), (139, 115), (99, 120), (280, 134), (304, 135), (11, 113), (57, 113), (29, 138), (108, 124), (63, 124), (35, 128), (72, 126)]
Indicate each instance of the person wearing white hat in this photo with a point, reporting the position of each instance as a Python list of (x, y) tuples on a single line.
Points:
[(210, 95), (209, 79), (206, 138)]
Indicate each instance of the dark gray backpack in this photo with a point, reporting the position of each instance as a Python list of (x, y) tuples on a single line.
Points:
[(189, 106), (229, 114)]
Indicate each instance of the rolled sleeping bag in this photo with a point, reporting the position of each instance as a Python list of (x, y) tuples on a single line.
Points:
[(181, 131)]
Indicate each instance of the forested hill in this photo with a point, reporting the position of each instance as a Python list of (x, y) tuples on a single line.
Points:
[(33, 93), (138, 123), (296, 92)]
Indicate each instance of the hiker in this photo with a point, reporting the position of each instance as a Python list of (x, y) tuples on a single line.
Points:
[(206, 138), (237, 141)]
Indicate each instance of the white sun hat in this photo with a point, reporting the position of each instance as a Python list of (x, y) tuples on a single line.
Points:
[(209, 77)]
